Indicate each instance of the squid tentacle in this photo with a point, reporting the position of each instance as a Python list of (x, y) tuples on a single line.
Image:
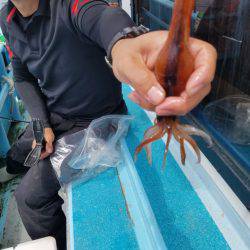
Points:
[(150, 133), (193, 144), (179, 137), (185, 136), (149, 153), (180, 132), (151, 139), (190, 130), (167, 148), (176, 133), (147, 134), (183, 152)]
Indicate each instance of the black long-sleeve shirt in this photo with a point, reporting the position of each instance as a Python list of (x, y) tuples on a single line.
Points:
[(59, 57)]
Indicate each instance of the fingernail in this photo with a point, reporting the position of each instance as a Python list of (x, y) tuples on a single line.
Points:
[(156, 95)]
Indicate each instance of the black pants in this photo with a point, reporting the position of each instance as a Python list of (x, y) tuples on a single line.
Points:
[(39, 204)]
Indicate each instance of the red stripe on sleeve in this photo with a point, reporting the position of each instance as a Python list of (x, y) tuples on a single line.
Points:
[(78, 3), (75, 7), (11, 14), (9, 51)]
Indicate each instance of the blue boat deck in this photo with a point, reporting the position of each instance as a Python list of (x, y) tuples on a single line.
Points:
[(100, 216)]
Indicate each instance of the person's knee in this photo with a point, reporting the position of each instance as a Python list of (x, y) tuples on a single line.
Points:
[(38, 188), (21, 196), (26, 198)]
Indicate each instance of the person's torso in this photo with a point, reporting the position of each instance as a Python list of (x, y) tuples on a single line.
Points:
[(70, 69)]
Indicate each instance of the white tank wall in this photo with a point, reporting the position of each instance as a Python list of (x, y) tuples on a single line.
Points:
[(126, 5)]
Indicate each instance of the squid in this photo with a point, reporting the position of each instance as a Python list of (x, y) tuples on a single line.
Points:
[(173, 67)]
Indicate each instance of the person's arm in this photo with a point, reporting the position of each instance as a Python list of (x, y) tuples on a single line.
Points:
[(134, 58), (26, 85), (29, 91), (99, 21)]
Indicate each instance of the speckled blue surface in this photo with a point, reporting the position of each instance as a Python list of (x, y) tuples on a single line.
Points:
[(99, 215), (183, 220), (99, 212)]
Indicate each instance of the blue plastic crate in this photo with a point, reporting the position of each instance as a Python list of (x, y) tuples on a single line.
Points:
[(8, 101), (3, 70)]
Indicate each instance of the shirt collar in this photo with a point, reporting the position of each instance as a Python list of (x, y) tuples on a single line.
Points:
[(16, 26), (43, 8)]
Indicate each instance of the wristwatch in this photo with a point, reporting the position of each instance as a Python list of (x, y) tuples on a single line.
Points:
[(129, 32)]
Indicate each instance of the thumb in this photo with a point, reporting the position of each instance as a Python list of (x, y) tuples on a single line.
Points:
[(49, 138), (33, 144), (49, 147), (144, 81)]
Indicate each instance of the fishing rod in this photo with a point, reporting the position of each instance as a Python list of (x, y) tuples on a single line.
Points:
[(13, 120)]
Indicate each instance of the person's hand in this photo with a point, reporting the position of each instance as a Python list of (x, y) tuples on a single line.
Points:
[(49, 138), (133, 63)]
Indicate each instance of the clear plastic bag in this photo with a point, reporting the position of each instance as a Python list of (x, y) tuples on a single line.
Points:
[(84, 154), (231, 117)]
